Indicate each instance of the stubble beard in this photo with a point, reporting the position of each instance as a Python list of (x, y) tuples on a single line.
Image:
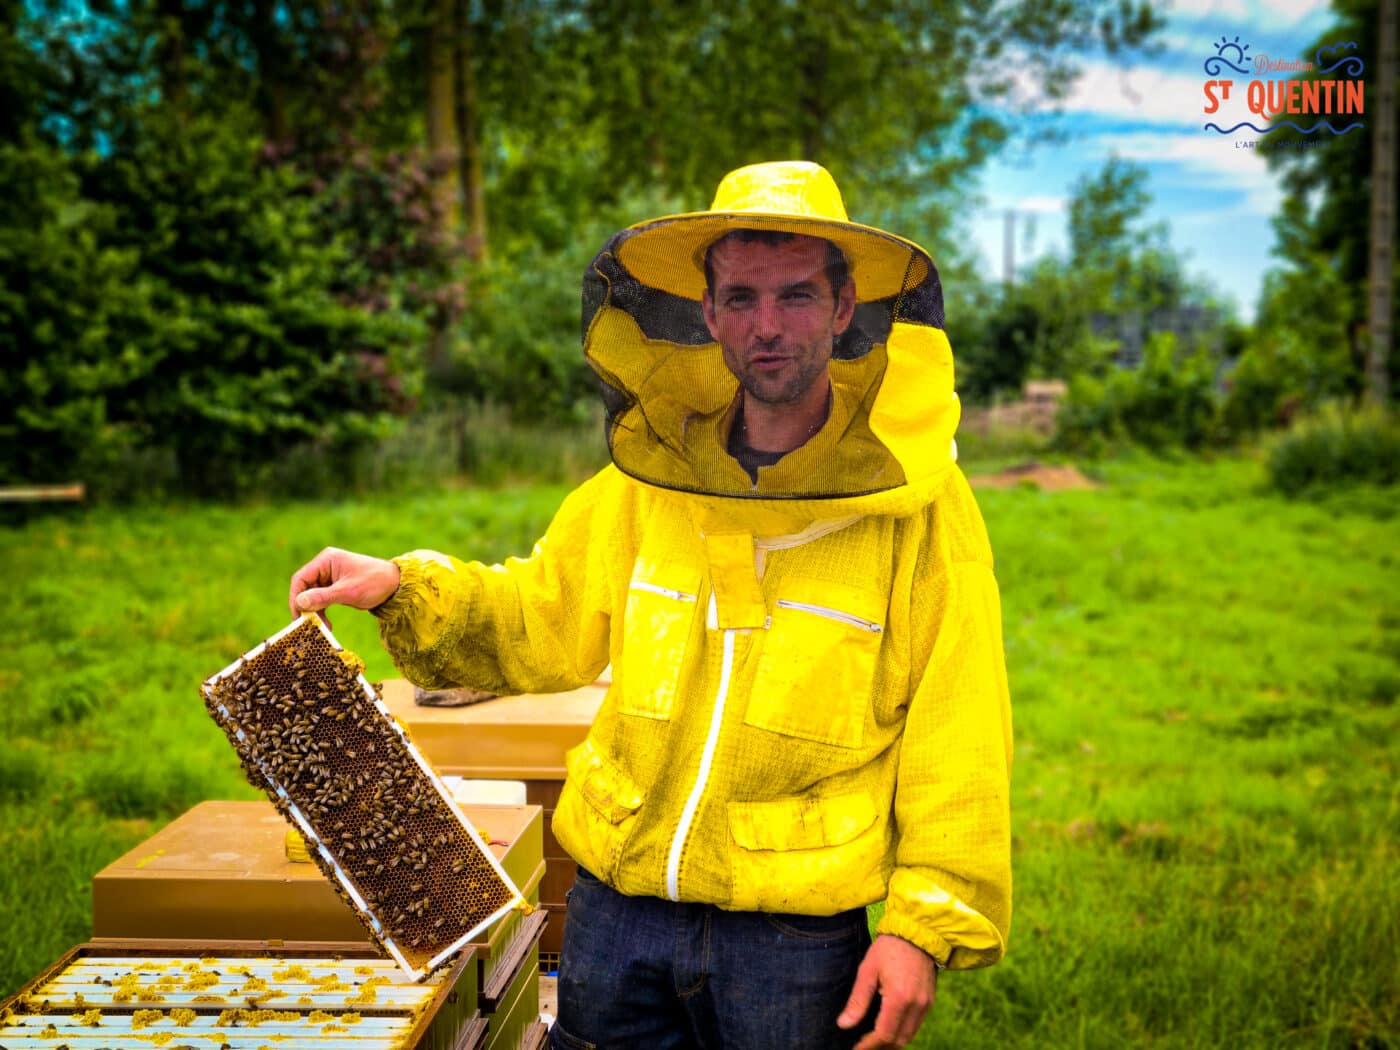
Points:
[(785, 388)]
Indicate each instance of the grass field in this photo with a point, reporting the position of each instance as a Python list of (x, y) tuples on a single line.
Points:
[(1206, 809)]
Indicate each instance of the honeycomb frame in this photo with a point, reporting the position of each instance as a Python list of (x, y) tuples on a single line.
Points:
[(315, 735)]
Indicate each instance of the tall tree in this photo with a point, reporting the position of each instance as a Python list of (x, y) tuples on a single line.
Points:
[(470, 171), (440, 114), (901, 99), (1382, 227), (1315, 306)]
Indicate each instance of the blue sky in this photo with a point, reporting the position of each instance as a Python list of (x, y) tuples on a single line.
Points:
[(1215, 198)]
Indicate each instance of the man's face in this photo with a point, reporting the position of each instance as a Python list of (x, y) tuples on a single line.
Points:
[(774, 315)]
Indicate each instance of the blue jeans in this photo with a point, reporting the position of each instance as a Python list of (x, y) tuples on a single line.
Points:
[(649, 974)]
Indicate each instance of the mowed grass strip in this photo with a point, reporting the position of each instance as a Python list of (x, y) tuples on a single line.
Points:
[(1204, 677)]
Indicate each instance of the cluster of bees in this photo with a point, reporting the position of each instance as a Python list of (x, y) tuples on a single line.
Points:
[(309, 726)]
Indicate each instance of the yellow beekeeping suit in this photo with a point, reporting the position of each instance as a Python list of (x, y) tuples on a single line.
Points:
[(809, 709)]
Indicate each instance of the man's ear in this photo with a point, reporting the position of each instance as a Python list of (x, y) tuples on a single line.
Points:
[(707, 307), (845, 307)]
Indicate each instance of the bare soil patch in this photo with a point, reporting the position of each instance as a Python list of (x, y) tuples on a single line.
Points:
[(1047, 476)]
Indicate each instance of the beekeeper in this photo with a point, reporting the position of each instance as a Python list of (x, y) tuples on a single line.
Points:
[(791, 580)]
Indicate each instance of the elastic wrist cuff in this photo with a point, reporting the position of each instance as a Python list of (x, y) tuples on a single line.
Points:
[(410, 576), (897, 926)]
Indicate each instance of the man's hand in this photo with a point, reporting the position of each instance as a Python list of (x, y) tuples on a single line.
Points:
[(907, 980), (337, 577)]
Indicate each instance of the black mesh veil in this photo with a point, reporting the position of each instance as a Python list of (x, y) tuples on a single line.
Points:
[(670, 398)]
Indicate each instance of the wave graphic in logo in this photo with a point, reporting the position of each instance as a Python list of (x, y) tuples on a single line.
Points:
[(1216, 62), (1283, 124), (1354, 66)]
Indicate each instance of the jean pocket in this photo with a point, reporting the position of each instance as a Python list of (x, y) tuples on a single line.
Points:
[(562, 1040), (825, 928), (817, 666)]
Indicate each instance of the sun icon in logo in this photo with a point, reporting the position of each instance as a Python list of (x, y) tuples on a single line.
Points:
[(1223, 59), (1226, 45)]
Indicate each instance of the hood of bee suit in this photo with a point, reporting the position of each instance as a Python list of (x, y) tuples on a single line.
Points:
[(888, 441)]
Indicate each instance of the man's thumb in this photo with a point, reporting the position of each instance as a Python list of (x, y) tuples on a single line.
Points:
[(861, 996), (315, 599)]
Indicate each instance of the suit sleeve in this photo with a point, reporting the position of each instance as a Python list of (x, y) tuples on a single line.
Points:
[(950, 892), (527, 625)]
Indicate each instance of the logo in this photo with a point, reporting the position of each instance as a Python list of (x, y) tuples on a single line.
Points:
[(1321, 104)]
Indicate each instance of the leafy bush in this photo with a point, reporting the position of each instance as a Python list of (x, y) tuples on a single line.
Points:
[(1167, 401), (1260, 391), (67, 299), (178, 294), (251, 349), (1337, 446), (1088, 418), (520, 339), (1280, 374)]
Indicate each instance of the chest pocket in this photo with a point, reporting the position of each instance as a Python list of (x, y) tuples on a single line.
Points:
[(656, 633), (817, 667)]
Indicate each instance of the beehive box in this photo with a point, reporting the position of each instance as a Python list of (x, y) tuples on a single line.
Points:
[(512, 1005), (314, 734), (220, 871), (510, 738), (241, 996)]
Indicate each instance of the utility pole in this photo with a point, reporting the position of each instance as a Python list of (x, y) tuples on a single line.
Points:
[(1382, 260), (1008, 249)]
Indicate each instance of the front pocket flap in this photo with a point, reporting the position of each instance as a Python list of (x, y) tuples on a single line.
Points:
[(606, 787), (800, 823)]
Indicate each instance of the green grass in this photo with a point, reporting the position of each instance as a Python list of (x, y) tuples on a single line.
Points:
[(1206, 813)]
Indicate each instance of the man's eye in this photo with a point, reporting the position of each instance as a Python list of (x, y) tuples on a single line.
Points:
[(738, 299), (798, 295)]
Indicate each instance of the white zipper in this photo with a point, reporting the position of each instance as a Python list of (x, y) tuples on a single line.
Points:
[(665, 592), (707, 757), (833, 614)]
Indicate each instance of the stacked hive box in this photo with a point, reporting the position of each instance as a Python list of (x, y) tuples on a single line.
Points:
[(512, 738), (221, 872)]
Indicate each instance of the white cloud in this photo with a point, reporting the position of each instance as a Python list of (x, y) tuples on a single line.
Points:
[(1278, 14), (1235, 10), (1290, 12), (1041, 205), (1138, 93), (1212, 162), (1169, 88), (1179, 41)]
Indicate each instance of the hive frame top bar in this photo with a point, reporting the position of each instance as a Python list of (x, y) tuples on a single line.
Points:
[(53, 996), (314, 840)]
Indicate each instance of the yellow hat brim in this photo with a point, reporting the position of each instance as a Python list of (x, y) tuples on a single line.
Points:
[(669, 253)]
